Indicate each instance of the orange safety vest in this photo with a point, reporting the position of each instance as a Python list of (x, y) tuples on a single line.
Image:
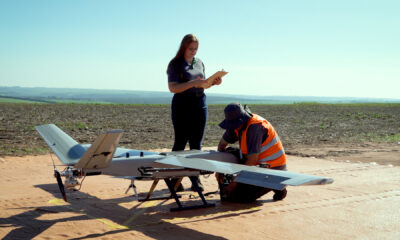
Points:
[(272, 151)]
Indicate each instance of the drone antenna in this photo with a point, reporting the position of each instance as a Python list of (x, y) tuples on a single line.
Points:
[(54, 165)]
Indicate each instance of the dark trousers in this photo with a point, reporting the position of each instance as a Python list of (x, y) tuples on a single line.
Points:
[(245, 193), (189, 117)]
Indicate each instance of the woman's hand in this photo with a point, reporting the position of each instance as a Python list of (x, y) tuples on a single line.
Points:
[(201, 83), (217, 81), (175, 87)]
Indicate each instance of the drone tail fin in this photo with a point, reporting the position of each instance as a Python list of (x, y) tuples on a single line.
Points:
[(71, 153), (64, 146), (100, 153)]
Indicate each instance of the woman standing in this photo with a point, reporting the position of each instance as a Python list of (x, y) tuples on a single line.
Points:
[(186, 79)]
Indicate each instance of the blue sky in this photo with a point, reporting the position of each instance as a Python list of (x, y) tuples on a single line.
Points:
[(293, 47)]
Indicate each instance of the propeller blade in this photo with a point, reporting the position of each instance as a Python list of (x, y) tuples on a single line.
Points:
[(60, 184)]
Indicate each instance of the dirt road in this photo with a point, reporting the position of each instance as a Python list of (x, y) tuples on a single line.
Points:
[(362, 203)]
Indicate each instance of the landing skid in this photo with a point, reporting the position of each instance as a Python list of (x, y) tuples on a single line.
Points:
[(176, 196), (153, 186)]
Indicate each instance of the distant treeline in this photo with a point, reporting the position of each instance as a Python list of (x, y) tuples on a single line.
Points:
[(54, 95)]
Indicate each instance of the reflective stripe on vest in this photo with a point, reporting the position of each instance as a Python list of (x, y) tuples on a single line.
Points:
[(273, 156), (273, 142), (272, 145)]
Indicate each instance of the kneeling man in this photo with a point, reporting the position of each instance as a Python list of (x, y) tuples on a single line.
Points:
[(259, 146)]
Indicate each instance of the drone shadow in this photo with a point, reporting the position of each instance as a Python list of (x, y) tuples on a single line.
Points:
[(152, 218)]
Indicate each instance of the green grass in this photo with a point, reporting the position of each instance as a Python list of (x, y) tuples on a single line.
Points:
[(80, 125), (372, 137), (212, 123), (395, 137), (14, 100)]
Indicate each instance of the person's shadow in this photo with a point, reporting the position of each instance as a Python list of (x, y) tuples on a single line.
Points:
[(152, 218)]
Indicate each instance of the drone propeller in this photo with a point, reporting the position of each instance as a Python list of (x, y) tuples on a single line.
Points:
[(60, 184)]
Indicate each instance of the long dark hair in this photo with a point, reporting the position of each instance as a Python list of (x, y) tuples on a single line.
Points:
[(187, 39)]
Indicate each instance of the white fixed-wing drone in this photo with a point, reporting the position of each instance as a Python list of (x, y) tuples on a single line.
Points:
[(103, 157)]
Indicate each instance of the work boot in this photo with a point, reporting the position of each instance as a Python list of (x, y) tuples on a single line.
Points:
[(201, 188), (279, 195)]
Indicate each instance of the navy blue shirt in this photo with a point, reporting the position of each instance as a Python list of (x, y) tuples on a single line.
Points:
[(180, 71)]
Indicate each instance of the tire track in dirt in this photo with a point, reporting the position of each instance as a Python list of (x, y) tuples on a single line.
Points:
[(347, 169), (111, 192), (14, 178), (336, 201), (73, 196), (23, 202), (283, 207), (286, 207), (31, 180), (280, 208)]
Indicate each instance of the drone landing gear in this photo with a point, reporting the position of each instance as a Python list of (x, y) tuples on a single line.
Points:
[(133, 186), (197, 188), (172, 189), (153, 186)]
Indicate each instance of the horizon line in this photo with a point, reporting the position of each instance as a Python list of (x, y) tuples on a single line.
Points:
[(229, 94)]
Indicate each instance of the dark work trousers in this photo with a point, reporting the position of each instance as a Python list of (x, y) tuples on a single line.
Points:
[(246, 193), (189, 117)]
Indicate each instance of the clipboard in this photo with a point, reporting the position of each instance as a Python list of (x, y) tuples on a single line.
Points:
[(211, 79)]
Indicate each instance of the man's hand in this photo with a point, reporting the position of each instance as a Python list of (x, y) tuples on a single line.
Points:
[(222, 145), (252, 159)]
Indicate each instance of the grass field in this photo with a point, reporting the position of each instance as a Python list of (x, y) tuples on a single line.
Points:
[(14, 100), (150, 126)]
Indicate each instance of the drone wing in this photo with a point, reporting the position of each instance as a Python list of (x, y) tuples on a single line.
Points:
[(262, 177)]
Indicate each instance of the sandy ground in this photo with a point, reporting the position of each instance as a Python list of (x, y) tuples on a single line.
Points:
[(362, 203)]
